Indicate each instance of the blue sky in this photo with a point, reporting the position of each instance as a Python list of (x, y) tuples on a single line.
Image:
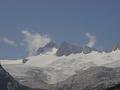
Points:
[(62, 20)]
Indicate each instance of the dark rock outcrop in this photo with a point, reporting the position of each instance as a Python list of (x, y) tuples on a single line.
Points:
[(115, 87), (24, 60), (87, 49), (46, 48)]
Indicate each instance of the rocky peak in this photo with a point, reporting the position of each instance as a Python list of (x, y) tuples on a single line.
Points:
[(67, 48), (46, 48)]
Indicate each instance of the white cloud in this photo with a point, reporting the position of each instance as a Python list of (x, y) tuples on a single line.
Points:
[(34, 41), (91, 39), (8, 41)]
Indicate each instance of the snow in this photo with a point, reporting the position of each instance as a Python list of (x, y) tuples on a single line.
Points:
[(16, 70), (60, 68), (4, 62), (51, 60), (42, 60)]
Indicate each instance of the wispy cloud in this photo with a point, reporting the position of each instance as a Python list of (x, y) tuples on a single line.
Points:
[(91, 39), (34, 41), (8, 41)]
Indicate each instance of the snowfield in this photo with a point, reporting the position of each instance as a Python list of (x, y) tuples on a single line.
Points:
[(4, 62), (60, 68)]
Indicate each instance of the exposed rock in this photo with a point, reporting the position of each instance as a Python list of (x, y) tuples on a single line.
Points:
[(24, 60), (87, 49), (46, 48), (66, 49)]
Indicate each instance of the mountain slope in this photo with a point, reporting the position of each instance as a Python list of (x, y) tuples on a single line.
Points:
[(115, 87), (57, 69), (46, 48), (95, 78), (7, 82), (45, 69)]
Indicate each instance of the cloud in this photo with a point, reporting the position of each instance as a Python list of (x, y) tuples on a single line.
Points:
[(91, 39), (34, 41), (8, 41)]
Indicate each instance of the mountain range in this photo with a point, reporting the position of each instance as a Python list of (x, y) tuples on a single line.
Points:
[(64, 67)]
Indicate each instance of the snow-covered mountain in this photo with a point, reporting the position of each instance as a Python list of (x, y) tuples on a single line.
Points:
[(51, 68), (94, 78)]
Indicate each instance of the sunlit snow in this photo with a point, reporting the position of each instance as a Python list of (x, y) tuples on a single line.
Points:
[(60, 68)]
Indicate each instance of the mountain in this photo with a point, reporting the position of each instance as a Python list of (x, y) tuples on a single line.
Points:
[(51, 69), (87, 49), (67, 49), (46, 48), (75, 68), (94, 78), (7, 82), (117, 46)]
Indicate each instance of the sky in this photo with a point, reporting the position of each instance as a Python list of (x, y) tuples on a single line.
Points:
[(23, 23)]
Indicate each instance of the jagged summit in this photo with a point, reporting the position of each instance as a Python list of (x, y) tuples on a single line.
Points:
[(46, 48), (51, 69), (67, 49)]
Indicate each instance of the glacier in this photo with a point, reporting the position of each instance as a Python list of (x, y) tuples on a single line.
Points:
[(51, 69)]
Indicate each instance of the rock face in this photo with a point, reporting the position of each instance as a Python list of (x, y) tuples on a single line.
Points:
[(116, 87), (87, 49), (46, 48), (24, 60), (67, 49), (7, 82)]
